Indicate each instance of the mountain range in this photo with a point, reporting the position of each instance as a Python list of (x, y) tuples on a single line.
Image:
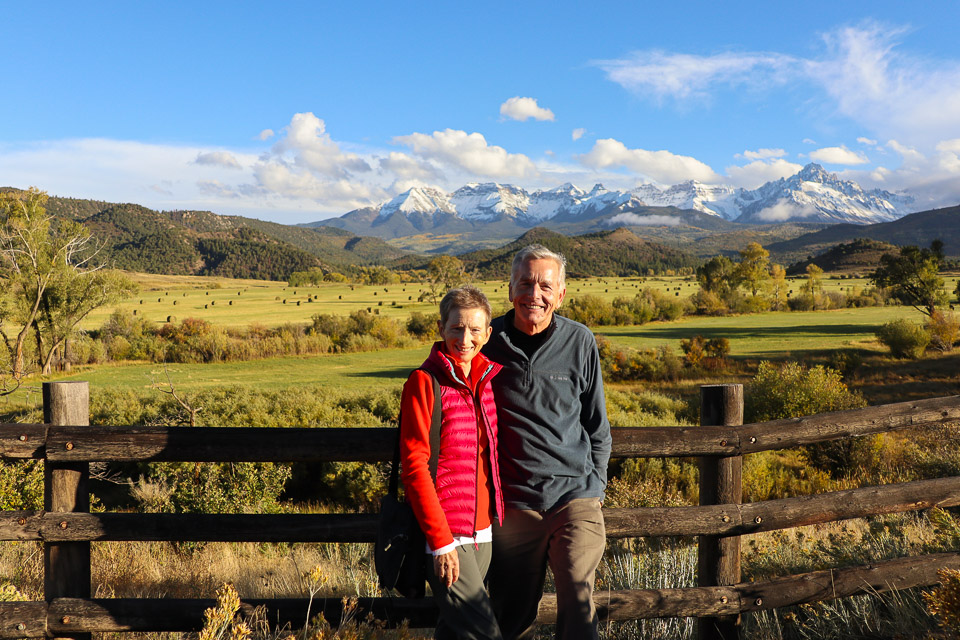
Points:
[(494, 210)]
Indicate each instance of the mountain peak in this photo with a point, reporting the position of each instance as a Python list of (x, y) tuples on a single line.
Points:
[(813, 172)]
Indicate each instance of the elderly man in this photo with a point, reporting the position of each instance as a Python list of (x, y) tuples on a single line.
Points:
[(554, 448)]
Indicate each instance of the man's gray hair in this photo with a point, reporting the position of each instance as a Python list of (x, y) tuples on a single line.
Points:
[(538, 252)]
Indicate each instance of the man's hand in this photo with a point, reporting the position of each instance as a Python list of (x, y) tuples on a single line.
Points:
[(447, 567)]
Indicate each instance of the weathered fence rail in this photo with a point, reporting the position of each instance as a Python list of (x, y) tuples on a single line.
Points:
[(66, 527)]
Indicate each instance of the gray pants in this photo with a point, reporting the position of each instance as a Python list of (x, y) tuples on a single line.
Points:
[(570, 538), (465, 609)]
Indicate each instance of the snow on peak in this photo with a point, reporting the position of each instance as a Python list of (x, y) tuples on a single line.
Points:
[(813, 194), (424, 200)]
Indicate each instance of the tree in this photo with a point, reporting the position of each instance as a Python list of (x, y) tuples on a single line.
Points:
[(778, 287), (913, 277), (717, 275), (753, 271), (49, 283), (813, 285), (443, 273)]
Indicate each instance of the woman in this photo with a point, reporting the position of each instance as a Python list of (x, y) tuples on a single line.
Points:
[(456, 510)]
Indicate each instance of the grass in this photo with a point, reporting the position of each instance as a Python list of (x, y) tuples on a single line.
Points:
[(239, 303), (365, 371), (769, 335)]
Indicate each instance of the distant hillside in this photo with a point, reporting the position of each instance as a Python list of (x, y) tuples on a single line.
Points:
[(203, 243), (606, 253), (919, 229), (860, 256)]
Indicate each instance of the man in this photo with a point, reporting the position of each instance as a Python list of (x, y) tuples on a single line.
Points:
[(554, 448)]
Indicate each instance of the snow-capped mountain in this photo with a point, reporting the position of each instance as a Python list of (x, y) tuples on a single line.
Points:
[(812, 195)]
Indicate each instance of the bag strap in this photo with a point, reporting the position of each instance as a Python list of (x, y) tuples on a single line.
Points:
[(434, 440)]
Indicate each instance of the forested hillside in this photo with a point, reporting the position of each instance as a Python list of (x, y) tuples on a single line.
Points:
[(137, 238), (606, 253)]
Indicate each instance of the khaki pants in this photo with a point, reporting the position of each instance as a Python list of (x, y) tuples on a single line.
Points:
[(570, 538), (465, 610)]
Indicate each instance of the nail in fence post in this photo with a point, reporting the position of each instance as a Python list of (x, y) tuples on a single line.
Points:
[(66, 565), (720, 483)]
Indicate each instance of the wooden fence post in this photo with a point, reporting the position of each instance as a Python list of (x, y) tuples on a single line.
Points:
[(66, 565), (720, 483)]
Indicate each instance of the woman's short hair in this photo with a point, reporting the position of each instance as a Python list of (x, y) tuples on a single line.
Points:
[(538, 252), (465, 297)]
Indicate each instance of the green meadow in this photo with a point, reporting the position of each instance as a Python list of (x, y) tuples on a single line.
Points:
[(240, 303)]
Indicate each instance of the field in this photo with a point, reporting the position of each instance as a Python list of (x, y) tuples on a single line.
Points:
[(239, 303)]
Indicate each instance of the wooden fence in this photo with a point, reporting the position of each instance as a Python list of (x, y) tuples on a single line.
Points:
[(67, 445)]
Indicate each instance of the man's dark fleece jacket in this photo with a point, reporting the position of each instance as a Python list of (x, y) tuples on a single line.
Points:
[(552, 421)]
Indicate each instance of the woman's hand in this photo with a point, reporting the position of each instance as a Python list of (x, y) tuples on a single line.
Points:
[(447, 567)]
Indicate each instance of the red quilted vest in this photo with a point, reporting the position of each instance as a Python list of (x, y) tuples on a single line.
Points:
[(460, 442)]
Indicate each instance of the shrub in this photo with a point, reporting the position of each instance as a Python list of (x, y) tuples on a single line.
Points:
[(905, 339), (944, 601), (21, 486), (792, 391), (944, 330), (423, 326)]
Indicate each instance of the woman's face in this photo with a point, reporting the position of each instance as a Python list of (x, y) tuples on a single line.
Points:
[(464, 333)]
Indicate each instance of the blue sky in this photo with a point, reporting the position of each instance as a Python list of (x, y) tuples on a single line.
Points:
[(298, 111)]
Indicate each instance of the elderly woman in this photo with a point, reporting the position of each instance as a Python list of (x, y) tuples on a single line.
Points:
[(456, 510)]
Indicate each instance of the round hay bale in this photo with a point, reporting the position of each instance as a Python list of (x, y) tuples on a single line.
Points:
[(171, 319), (230, 303)]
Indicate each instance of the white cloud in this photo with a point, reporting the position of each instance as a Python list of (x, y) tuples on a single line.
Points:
[(909, 155), (633, 220), (838, 155), (867, 141), (518, 108), (756, 173), (762, 154), (785, 210), (659, 166), (407, 167), (312, 149), (809, 141), (681, 76), (219, 159), (266, 134), (949, 146), (469, 152), (578, 133)]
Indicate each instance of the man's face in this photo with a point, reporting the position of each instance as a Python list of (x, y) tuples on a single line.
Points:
[(535, 293)]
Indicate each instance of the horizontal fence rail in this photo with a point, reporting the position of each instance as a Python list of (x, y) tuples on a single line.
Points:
[(375, 444), (72, 615), (721, 520), (66, 527)]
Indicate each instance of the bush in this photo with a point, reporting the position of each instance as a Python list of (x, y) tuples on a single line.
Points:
[(905, 339), (792, 391), (944, 330), (423, 326), (21, 486), (944, 601)]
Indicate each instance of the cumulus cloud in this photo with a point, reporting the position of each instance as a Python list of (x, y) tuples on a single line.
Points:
[(867, 141), (784, 210), (518, 108), (470, 152), (809, 141), (759, 172), (659, 166), (311, 147), (218, 159), (838, 155), (634, 220), (407, 167), (578, 133), (266, 134)]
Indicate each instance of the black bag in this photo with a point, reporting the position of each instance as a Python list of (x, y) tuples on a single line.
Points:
[(400, 556)]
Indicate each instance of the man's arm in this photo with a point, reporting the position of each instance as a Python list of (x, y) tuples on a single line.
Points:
[(593, 412)]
